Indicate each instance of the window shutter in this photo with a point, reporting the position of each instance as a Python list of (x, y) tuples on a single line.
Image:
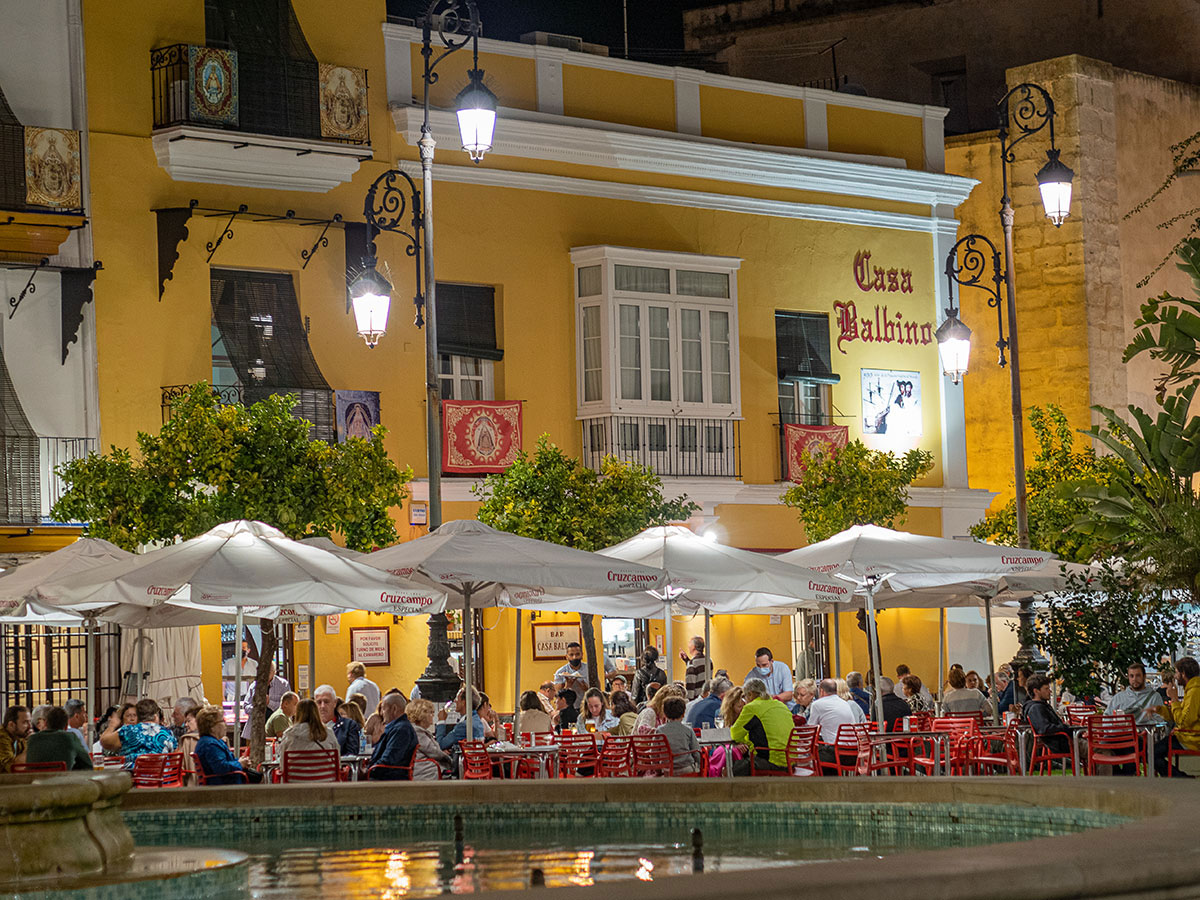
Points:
[(259, 320), (802, 347), (466, 321), (20, 458)]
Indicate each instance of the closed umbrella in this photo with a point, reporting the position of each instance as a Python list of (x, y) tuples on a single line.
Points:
[(870, 557), (478, 563)]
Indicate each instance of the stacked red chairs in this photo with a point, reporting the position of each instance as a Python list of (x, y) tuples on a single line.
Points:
[(158, 770), (1114, 741), (616, 757), (309, 765), (56, 766), (577, 756), (652, 755), (202, 776)]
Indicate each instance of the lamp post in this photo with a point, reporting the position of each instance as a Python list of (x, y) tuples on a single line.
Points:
[(1025, 110), (457, 24)]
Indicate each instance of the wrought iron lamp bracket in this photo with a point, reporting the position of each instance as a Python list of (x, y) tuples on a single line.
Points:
[(385, 207), (972, 271), (1020, 109)]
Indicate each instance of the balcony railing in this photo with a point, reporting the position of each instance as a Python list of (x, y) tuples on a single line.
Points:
[(173, 393), (671, 445), (54, 452), (258, 94)]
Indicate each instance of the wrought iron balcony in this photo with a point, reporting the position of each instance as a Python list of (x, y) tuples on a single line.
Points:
[(671, 445), (54, 452)]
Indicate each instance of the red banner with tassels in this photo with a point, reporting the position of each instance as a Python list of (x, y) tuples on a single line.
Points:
[(816, 439), (480, 437)]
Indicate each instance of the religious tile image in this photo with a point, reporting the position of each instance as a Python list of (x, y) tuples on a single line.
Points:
[(213, 86), (891, 402), (343, 93), (52, 168), (357, 414)]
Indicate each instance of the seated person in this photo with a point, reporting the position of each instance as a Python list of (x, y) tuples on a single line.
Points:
[(147, 736), (347, 731), (894, 708), (399, 742), (281, 720), (534, 719), (960, 698), (1183, 710), (308, 732), (217, 761), (567, 712), (685, 749), (56, 744), (1045, 722), (595, 713), (703, 712), (765, 724), (449, 736), (624, 712), (430, 760)]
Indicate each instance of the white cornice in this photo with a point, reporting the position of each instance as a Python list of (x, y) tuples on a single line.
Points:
[(691, 157), (189, 153), (614, 190), (405, 33)]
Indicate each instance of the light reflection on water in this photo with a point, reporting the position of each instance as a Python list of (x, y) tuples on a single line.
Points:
[(432, 868)]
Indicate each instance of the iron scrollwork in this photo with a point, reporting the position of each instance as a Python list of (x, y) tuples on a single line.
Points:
[(385, 208), (30, 287), (967, 265), (458, 24)]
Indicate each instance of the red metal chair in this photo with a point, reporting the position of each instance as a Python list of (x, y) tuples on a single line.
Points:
[(976, 714), (800, 753), (406, 770), (893, 760), (309, 765), (846, 749), (202, 776), (476, 761), (1042, 757), (1113, 741), (1173, 752), (109, 762), (577, 756), (962, 732), (652, 755), (538, 738), (158, 770), (983, 752), (56, 766), (1079, 714), (615, 757)]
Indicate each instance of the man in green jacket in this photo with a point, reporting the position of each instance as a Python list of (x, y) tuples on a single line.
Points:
[(56, 744), (766, 725)]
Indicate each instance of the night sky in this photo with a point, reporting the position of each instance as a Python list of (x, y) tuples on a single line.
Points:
[(654, 25)]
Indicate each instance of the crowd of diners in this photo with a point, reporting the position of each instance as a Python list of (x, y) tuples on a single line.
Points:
[(403, 736)]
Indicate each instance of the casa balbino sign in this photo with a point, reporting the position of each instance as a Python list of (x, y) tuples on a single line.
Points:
[(880, 325)]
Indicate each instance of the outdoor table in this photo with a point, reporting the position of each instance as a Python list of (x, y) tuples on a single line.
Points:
[(937, 738), (545, 754), (719, 737), (355, 762), (1149, 732)]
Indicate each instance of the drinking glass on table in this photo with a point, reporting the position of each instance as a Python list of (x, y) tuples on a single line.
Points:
[(591, 727)]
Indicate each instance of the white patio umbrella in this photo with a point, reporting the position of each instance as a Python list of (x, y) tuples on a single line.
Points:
[(870, 557), (478, 563), (20, 584), (240, 565)]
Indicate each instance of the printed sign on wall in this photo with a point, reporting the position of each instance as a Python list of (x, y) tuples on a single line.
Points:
[(550, 639), (370, 646)]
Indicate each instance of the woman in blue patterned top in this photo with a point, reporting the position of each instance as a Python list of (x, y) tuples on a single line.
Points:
[(147, 736), (217, 761)]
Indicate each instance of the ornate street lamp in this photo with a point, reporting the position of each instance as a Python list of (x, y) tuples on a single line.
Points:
[(385, 207), (1026, 110)]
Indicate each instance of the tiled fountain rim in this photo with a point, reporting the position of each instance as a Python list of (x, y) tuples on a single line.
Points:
[(1146, 858)]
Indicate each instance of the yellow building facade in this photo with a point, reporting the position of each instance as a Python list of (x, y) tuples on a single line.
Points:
[(650, 241)]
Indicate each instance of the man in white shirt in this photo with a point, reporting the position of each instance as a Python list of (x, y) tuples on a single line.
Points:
[(1138, 700), (829, 711), (356, 674), (775, 674)]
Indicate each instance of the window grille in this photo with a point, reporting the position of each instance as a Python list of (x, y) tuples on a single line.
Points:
[(20, 493)]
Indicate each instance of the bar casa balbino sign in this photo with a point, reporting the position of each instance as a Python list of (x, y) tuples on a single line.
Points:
[(883, 324)]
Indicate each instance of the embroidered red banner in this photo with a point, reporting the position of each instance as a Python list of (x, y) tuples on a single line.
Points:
[(816, 439), (480, 437)]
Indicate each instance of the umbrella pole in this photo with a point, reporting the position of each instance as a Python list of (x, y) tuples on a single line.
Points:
[(837, 644), (141, 663), (941, 654), (987, 623), (468, 688), (708, 670), (670, 667), (517, 685), (237, 686), (873, 634), (89, 634), (312, 654)]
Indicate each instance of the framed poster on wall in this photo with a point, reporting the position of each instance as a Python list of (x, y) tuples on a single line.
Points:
[(370, 646), (891, 403), (550, 639)]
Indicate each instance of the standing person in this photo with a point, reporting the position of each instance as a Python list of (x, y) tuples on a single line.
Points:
[(774, 674), (55, 744), (359, 683), (573, 675), (147, 736), (1184, 711), (17, 727), (281, 719), (648, 674), (76, 719), (697, 667), (398, 745), (685, 749), (347, 731)]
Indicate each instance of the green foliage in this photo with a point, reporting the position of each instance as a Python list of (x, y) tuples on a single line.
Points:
[(1094, 631), (554, 497), (1169, 327), (854, 486), (1052, 506), (212, 463)]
